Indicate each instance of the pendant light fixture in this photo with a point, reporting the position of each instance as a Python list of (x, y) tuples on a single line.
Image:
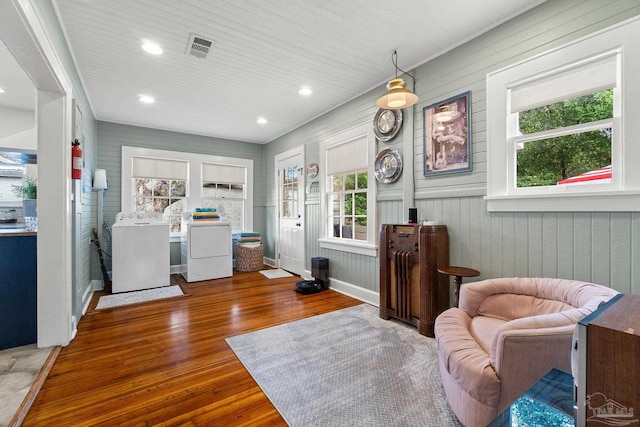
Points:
[(398, 96)]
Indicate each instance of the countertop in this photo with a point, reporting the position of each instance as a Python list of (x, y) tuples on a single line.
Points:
[(16, 231)]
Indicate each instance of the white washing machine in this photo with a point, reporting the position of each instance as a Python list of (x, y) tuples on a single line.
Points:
[(140, 252), (205, 250)]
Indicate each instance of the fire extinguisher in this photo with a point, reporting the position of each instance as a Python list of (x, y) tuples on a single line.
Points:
[(76, 160)]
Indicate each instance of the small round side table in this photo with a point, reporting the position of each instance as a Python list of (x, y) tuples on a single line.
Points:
[(458, 273)]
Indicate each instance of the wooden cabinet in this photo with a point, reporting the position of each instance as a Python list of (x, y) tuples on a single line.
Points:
[(17, 290), (411, 289), (609, 363)]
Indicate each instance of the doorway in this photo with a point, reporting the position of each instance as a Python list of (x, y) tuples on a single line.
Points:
[(25, 36), (290, 244)]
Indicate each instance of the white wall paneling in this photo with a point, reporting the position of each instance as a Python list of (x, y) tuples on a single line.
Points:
[(602, 247)]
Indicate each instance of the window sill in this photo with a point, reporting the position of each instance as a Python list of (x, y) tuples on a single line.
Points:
[(619, 201), (353, 247), (175, 237)]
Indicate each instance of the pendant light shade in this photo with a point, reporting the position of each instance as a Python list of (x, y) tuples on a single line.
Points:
[(398, 96)]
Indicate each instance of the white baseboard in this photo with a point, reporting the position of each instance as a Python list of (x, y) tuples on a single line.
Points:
[(74, 327), (269, 261), (178, 269), (362, 294)]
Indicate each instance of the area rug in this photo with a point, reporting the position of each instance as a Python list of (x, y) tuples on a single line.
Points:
[(347, 368), (275, 274), (116, 300)]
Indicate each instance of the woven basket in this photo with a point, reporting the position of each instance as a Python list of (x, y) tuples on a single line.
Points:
[(249, 258)]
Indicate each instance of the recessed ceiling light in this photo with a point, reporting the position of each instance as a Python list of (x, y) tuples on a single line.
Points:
[(151, 47), (1, 90), (261, 121), (146, 99), (305, 91)]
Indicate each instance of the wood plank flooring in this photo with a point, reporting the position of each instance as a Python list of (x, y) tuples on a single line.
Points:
[(166, 363)]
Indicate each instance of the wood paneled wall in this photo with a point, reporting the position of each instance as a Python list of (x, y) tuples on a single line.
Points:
[(598, 247)]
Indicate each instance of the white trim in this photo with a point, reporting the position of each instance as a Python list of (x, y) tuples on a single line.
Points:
[(194, 190), (452, 192), (269, 261), (362, 294), (621, 194), (293, 152), (177, 269), (355, 246), (23, 30), (349, 246), (622, 201)]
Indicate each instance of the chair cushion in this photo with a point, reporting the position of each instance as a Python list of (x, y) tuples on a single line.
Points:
[(483, 329), (462, 356), (513, 306)]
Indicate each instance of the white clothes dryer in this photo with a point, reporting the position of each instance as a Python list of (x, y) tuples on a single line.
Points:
[(205, 250), (140, 252)]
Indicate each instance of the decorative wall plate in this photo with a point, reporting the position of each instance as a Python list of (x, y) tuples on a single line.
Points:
[(387, 124), (312, 170), (388, 166)]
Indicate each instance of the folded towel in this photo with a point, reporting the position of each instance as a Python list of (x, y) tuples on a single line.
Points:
[(205, 210), (205, 215), (246, 234)]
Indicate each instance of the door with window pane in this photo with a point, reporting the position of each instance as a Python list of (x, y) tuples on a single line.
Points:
[(290, 245)]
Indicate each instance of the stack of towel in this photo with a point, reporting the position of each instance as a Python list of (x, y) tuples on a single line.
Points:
[(205, 214), (247, 238)]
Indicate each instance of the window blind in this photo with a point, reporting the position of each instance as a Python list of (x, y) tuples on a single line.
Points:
[(149, 167), (347, 157), (223, 173), (578, 80)]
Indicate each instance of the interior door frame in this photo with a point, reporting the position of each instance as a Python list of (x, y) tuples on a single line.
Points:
[(296, 151), (26, 37)]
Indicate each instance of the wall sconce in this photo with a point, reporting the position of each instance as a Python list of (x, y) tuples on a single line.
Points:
[(398, 96)]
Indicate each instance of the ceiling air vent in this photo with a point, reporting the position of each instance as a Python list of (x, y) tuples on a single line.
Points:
[(198, 46)]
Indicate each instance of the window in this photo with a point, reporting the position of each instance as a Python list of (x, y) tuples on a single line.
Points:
[(348, 188), (348, 205), (557, 120), (10, 177), (223, 188), (160, 185), (175, 182)]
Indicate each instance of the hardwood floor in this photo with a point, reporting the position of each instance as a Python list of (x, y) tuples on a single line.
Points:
[(166, 363)]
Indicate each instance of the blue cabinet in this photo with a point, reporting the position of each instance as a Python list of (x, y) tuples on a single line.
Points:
[(18, 281)]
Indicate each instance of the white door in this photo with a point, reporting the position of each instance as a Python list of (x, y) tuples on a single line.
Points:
[(290, 181)]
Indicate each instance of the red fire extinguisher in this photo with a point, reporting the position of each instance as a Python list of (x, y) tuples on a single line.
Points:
[(76, 160)]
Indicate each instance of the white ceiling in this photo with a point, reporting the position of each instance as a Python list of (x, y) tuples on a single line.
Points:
[(264, 50)]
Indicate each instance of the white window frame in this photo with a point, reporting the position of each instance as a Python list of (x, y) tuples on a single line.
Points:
[(622, 193), (194, 182), (327, 240)]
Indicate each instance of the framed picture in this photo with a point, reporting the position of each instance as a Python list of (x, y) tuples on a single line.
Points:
[(447, 136)]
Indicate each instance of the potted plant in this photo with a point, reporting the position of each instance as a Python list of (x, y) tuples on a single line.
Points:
[(29, 192)]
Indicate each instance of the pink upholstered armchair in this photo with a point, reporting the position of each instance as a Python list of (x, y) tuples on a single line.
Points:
[(506, 334)]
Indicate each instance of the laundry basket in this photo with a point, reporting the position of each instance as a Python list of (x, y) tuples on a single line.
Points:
[(249, 257)]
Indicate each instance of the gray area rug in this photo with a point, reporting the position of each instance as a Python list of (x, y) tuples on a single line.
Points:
[(347, 368), (126, 298)]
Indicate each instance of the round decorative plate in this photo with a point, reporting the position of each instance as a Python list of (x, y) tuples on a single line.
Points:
[(312, 170), (387, 124), (388, 166)]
